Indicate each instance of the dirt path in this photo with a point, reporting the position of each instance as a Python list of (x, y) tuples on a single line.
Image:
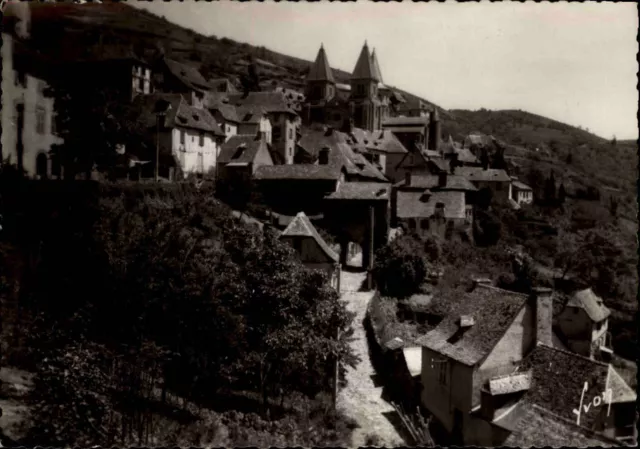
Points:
[(361, 398)]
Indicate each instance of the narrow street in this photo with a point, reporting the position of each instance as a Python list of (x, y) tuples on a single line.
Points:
[(362, 399)]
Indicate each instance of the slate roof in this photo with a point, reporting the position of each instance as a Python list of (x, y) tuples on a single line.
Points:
[(189, 75), (244, 147), (558, 381), (271, 101), (465, 155), (376, 67), (591, 303), (520, 186), (320, 70), (534, 426), (361, 191), (405, 121), (250, 113), (454, 182), (298, 172), (181, 113), (228, 112), (383, 141), (493, 310), (301, 226), (422, 204), (478, 174), (364, 67)]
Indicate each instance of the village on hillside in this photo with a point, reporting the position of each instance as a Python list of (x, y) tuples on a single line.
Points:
[(358, 184)]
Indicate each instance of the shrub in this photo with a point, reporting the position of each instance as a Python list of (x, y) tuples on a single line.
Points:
[(400, 267)]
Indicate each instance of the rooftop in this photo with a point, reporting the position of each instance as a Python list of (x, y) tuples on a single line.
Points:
[(187, 74), (591, 303), (320, 70), (311, 172), (454, 182), (361, 191), (405, 121), (272, 102), (422, 203), (520, 186), (301, 226), (240, 149), (479, 174), (493, 311)]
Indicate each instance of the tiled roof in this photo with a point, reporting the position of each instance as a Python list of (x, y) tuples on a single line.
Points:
[(591, 303), (465, 155), (364, 68), (181, 113), (298, 171), (320, 70), (534, 426), (479, 174), (405, 121), (493, 311), (422, 204), (520, 186), (270, 101), (454, 182), (187, 74), (301, 226), (228, 112), (440, 163), (250, 113), (558, 380), (240, 149), (384, 142), (361, 191)]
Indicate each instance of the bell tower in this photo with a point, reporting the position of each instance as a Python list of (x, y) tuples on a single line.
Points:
[(364, 103)]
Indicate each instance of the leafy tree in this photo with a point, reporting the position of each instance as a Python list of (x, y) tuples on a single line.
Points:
[(569, 158), (400, 267), (550, 190), (251, 80), (487, 228), (614, 141)]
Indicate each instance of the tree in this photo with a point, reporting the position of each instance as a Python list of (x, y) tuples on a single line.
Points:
[(569, 158), (400, 267), (614, 141), (91, 121), (251, 81), (550, 190)]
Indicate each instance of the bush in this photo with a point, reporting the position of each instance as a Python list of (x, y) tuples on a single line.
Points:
[(400, 267)]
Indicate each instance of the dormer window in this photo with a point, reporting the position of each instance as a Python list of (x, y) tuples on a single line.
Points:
[(239, 151)]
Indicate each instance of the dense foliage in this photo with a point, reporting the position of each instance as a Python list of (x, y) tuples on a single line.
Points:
[(165, 291)]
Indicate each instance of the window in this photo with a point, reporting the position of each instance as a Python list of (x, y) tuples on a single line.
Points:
[(182, 136), (442, 372), (360, 89), (276, 132), (290, 133), (201, 139), (40, 120), (54, 119), (424, 224), (41, 165), (412, 223)]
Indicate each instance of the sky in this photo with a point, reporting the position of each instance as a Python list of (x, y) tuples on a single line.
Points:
[(573, 62)]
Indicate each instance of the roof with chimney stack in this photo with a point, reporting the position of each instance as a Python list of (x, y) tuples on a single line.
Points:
[(181, 113), (422, 203), (370, 191), (559, 377), (241, 149), (534, 426), (301, 226), (591, 303), (432, 182), (364, 69), (480, 175), (493, 311), (320, 70)]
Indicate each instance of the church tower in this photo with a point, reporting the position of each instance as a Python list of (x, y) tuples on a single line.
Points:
[(320, 88), (364, 102)]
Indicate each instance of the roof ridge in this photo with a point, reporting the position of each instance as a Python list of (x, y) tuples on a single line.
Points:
[(597, 362)]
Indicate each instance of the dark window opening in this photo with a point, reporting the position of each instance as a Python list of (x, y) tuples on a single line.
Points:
[(456, 336), (201, 139), (41, 165), (239, 151)]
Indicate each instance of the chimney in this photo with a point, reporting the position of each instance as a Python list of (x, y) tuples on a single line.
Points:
[(442, 179), (543, 307), (323, 156), (407, 178)]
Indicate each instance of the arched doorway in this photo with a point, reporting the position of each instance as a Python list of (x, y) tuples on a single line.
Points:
[(41, 165)]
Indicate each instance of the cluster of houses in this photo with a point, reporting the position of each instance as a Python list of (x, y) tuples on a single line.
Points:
[(501, 368)]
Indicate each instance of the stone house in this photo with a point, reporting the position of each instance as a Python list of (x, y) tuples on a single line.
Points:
[(28, 114), (311, 248), (521, 193), (284, 120), (496, 180), (189, 138), (491, 361), (432, 204), (242, 155), (584, 324), (171, 76)]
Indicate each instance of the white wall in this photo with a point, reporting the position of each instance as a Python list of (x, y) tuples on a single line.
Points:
[(192, 157), (32, 97)]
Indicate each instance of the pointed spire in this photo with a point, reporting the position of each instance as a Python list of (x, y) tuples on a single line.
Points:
[(320, 70), (364, 68), (376, 67)]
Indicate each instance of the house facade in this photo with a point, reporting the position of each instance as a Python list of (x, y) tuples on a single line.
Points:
[(522, 193), (28, 115), (495, 180)]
